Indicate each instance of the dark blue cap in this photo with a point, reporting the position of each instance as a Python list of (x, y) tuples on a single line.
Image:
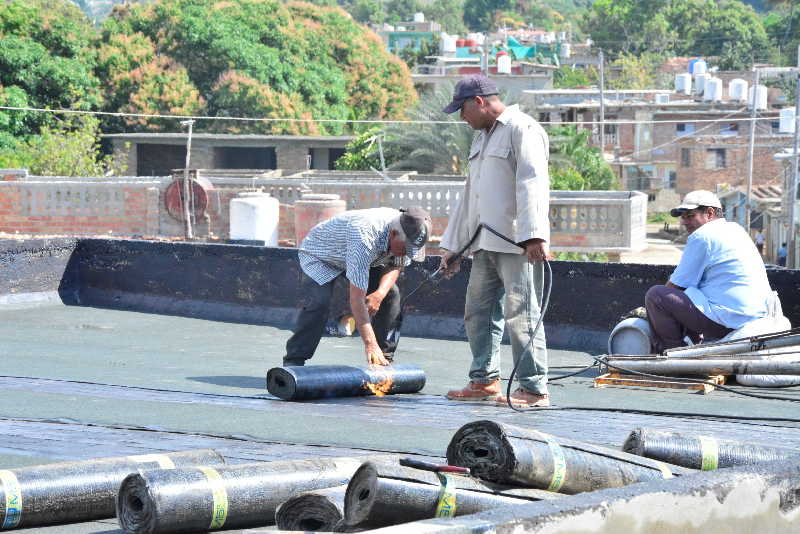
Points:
[(475, 85)]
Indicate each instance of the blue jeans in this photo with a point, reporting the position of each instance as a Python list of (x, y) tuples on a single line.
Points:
[(504, 291)]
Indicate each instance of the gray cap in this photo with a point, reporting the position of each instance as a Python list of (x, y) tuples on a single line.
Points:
[(416, 223), (475, 85)]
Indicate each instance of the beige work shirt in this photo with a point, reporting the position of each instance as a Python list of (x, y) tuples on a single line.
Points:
[(508, 186)]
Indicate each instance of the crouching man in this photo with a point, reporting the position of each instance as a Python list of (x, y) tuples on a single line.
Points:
[(719, 284), (369, 247)]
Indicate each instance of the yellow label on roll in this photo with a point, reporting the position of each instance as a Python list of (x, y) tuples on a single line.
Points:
[(163, 461), (665, 470), (446, 507), (13, 493), (709, 449), (559, 462), (220, 496)]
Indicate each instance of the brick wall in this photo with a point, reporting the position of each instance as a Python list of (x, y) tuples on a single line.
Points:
[(76, 208)]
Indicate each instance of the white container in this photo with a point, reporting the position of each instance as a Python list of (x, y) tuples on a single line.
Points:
[(787, 123), (699, 67), (254, 217), (566, 50), (712, 92), (737, 90), (504, 64), (662, 99), (448, 44), (700, 83), (419, 17), (562, 36), (683, 83), (760, 98), (631, 336)]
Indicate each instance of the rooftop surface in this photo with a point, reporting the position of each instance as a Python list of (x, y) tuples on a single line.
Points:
[(82, 382)]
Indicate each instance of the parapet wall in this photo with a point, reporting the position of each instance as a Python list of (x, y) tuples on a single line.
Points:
[(261, 286), (583, 221)]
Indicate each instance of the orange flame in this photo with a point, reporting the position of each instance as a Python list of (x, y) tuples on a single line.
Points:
[(381, 387)]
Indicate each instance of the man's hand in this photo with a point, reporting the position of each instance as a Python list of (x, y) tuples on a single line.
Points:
[(375, 354), (449, 266), (536, 250), (373, 301)]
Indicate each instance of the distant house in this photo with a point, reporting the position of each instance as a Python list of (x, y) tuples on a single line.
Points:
[(157, 154)]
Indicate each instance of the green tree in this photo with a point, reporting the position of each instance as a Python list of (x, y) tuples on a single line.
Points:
[(569, 76), (479, 14), (71, 147), (46, 61), (575, 165), (313, 61), (634, 72)]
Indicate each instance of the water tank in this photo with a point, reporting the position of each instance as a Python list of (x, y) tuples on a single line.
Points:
[(787, 122), (712, 92), (562, 36), (419, 17), (254, 217), (503, 63), (662, 99), (690, 66), (460, 43), (700, 83), (448, 44), (312, 209), (471, 43), (737, 90), (566, 50), (683, 83), (760, 96), (699, 67)]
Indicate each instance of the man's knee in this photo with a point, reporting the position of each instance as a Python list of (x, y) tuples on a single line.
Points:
[(655, 295)]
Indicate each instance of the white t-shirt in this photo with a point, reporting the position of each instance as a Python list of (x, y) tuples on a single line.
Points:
[(723, 274)]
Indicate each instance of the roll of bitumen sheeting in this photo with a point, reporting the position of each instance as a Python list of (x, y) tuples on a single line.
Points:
[(237, 496), (383, 495), (323, 381), (70, 492), (700, 452), (319, 510), (512, 455)]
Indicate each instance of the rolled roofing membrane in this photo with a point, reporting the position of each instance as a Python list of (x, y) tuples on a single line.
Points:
[(513, 455), (700, 452), (239, 496), (384, 495), (328, 381), (72, 492), (318, 510)]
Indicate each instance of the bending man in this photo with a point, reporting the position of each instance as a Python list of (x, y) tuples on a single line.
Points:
[(719, 285), (369, 247), (508, 188)]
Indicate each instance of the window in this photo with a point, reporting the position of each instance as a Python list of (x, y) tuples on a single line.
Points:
[(686, 157), (683, 128), (672, 179), (730, 128), (776, 127), (241, 157), (715, 158)]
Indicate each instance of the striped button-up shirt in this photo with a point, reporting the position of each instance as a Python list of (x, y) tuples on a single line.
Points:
[(349, 243)]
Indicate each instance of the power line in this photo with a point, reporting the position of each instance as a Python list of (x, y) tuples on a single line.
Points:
[(374, 121)]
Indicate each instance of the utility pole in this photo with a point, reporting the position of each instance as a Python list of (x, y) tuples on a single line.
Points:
[(791, 260), (751, 150), (602, 105), (187, 219)]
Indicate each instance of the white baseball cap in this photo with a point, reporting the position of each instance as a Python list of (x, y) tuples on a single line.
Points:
[(695, 199)]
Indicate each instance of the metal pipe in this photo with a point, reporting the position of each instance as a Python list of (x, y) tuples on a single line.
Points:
[(751, 151), (707, 367), (601, 59), (792, 259), (187, 193), (753, 344)]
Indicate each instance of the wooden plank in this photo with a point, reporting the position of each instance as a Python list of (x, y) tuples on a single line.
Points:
[(618, 379)]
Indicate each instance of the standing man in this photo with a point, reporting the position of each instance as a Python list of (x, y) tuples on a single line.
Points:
[(719, 285), (369, 247), (759, 239), (508, 188)]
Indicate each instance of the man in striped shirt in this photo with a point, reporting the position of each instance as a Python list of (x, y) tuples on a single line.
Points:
[(369, 247)]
